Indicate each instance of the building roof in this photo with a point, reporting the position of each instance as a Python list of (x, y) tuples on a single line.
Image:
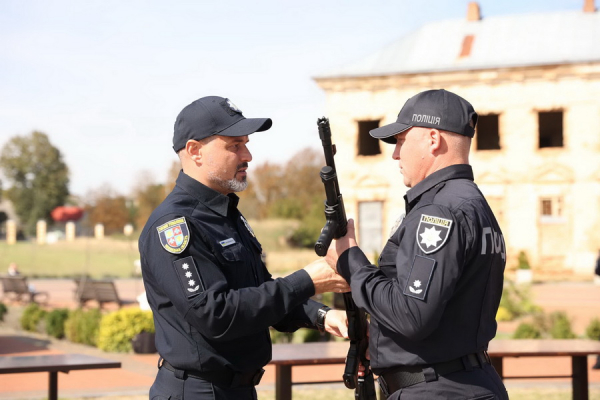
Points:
[(496, 42)]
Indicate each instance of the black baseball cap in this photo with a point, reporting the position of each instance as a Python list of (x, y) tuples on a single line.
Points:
[(214, 115), (437, 109)]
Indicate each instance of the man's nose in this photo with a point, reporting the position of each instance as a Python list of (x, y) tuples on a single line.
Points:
[(246, 155)]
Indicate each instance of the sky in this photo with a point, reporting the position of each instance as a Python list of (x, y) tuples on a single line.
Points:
[(106, 79)]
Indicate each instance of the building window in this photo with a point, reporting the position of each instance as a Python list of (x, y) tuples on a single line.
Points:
[(488, 133), (367, 145), (546, 207), (550, 125), (551, 210)]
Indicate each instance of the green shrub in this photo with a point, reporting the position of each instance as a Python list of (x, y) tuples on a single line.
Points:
[(310, 228), (82, 326), (31, 318), (118, 328), (280, 337), (3, 311), (305, 335), (517, 301), (527, 331), (593, 329), (560, 326), (55, 322), (523, 261), (289, 208), (504, 315)]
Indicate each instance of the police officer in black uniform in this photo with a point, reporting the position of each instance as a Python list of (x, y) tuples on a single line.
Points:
[(211, 295), (434, 297)]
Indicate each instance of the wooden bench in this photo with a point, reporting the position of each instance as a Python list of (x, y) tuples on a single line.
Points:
[(285, 356), (19, 289), (102, 291)]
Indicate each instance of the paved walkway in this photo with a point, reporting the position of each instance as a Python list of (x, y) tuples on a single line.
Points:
[(580, 300)]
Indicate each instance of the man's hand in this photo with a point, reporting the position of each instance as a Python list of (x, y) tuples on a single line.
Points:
[(340, 245), (336, 323), (326, 279)]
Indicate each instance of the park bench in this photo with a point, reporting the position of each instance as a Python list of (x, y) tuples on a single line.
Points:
[(53, 364), (19, 289), (101, 291), (286, 356)]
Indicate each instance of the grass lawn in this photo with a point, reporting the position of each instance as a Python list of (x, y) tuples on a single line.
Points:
[(114, 257)]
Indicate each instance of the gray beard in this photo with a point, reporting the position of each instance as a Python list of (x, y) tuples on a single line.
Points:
[(231, 185)]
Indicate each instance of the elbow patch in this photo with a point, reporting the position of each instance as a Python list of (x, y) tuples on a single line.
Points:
[(189, 277), (419, 277)]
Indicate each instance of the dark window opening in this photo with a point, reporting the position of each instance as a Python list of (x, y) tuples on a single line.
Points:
[(367, 145), (488, 133), (546, 207), (550, 129)]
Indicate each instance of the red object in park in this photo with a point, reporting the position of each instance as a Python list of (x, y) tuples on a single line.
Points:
[(66, 213)]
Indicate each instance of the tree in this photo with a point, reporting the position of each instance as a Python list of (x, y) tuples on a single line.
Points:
[(105, 206), (148, 195), (288, 191), (38, 177)]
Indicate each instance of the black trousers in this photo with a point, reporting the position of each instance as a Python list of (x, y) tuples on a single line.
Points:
[(167, 386), (476, 384)]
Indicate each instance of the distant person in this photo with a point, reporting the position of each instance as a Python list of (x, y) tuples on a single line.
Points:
[(13, 270), (211, 295)]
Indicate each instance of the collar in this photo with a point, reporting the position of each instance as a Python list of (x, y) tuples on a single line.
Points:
[(214, 200), (458, 171)]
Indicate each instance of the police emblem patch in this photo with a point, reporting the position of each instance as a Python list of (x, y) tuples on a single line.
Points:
[(419, 277), (189, 277), (174, 235), (432, 233), (247, 226)]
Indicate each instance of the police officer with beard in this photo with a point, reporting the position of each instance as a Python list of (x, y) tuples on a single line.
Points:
[(211, 295), (434, 297)]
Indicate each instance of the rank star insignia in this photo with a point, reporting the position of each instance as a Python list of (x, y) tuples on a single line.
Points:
[(419, 277), (190, 279), (432, 233)]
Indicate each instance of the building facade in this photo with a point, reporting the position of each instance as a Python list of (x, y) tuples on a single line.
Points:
[(534, 81)]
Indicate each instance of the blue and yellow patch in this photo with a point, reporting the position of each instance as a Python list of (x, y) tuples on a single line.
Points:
[(174, 235)]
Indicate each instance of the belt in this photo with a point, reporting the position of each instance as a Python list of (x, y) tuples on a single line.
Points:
[(397, 378), (224, 378)]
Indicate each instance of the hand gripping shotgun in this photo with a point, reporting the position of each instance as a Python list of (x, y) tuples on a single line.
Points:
[(336, 227)]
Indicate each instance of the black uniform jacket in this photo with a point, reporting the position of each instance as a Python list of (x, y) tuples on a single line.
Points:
[(436, 293), (211, 295)]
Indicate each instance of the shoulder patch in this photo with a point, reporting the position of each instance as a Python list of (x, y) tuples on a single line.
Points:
[(432, 233), (419, 277), (174, 235), (188, 275)]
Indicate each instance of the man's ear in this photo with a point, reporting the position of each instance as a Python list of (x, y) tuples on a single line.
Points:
[(193, 148), (434, 138)]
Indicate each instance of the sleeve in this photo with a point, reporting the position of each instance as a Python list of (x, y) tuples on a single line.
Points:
[(198, 289), (302, 316), (428, 262)]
